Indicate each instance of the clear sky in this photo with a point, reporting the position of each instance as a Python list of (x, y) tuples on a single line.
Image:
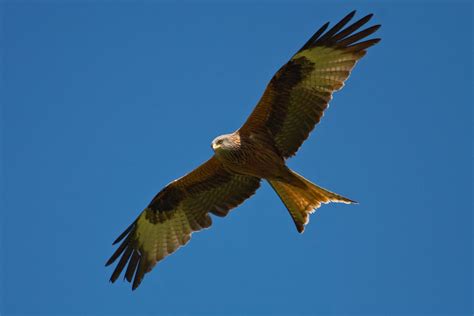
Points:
[(104, 103)]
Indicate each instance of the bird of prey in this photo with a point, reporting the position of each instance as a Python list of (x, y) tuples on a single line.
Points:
[(292, 104)]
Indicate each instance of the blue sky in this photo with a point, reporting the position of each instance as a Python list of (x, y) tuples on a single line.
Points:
[(104, 103)]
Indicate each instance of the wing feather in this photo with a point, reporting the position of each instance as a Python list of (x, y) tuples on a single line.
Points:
[(177, 211), (299, 93)]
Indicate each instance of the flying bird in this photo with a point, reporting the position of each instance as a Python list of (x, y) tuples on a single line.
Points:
[(292, 104)]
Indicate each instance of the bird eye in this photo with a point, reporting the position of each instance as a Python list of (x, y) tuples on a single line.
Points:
[(220, 141)]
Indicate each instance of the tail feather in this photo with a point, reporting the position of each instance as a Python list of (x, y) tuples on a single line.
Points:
[(302, 197)]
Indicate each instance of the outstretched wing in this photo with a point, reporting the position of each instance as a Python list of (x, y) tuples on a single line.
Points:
[(179, 209), (296, 97)]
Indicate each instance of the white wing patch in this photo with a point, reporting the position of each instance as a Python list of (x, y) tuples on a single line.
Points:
[(332, 68), (158, 240)]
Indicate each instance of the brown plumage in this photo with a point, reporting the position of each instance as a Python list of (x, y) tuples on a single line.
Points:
[(292, 104)]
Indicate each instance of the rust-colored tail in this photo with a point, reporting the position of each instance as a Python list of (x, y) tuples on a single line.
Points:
[(302, 197)]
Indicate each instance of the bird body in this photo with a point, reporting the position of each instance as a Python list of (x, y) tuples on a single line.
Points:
[(254, 155), (251, 155), (292, 104)]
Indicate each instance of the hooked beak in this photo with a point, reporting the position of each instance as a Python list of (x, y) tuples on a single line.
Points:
[(214, 146)]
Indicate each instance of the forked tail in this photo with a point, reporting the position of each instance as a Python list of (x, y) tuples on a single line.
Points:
[(302, 197)]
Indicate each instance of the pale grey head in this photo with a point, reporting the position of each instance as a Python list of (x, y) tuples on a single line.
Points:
[(225, 142)]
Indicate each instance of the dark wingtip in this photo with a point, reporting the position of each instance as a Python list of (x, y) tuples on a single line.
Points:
[(376, 26), (132, 266), (336, 28), (125, 233), (315, 36), (343, 36), (125, 252), (346, 33), (376, 40), (135, 284), (350, 15), (364, 19), (139, 274)]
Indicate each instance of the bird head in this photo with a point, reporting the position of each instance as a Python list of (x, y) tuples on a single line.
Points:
[(223, 142)]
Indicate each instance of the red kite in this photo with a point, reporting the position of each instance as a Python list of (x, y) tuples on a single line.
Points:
[(292, 104)]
